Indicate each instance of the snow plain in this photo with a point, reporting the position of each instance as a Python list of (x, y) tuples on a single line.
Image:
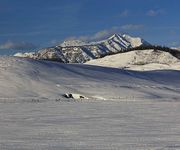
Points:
[(98, 125), (125, 109)]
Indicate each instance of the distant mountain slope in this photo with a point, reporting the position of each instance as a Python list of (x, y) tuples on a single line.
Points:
[(139, 60), (27, 79), (76, 51)]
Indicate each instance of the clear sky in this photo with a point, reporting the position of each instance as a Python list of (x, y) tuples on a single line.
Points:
[(32, 24)]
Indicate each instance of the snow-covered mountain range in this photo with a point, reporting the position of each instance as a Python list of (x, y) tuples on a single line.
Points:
[(119, 51), (75, 51)]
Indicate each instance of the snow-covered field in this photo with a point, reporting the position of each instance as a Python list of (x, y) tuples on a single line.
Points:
[(124, 109), (94, 125)]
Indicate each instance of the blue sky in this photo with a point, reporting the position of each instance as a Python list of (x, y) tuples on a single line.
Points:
[(32, 24)]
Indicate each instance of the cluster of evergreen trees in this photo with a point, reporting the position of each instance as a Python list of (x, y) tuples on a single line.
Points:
[(174, 52)]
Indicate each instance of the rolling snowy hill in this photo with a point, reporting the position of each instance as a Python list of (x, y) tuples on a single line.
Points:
[(22, 78), (75, 51), (139, 60)]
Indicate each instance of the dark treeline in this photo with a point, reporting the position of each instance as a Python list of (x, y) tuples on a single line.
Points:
[(174, 52)]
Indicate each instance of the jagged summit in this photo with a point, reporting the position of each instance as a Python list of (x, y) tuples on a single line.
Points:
[(115, 35), (76, 51), (124, 38), (132, 41)]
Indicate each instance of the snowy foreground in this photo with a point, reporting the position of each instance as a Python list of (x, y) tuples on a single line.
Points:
[(96, 125), (126, 110)]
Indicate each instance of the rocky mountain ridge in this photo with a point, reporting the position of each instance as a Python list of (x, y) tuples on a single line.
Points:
[(75, 51)]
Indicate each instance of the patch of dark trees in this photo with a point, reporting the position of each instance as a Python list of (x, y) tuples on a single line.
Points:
[(174, 52)]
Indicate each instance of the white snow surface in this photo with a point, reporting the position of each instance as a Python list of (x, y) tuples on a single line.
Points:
[(125, 110), (22, 78), (134, 41), (139, 60), (102, 125), (27, 54)]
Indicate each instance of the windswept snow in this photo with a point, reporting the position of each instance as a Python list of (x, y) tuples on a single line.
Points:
[(139, 60), (102, 125), (26, 78)]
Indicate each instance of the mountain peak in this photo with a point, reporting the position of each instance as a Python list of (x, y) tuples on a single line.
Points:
[(115, 35), (68, 43)]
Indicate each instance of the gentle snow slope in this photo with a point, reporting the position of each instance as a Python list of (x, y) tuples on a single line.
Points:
[(139, 60), (25, 78)]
